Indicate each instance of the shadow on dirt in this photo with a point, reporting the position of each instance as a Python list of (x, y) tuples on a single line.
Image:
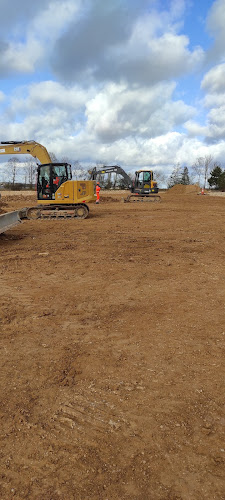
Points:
[(11, 237)]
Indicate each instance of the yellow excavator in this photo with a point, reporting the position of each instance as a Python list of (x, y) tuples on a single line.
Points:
[(58, 196)]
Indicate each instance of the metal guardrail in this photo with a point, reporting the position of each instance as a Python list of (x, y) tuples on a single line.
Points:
[(9, 220)]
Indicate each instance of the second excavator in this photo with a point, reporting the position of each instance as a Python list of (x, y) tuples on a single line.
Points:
[(143, 187)]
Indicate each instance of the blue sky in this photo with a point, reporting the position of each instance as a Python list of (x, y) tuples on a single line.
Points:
[(138, 82)]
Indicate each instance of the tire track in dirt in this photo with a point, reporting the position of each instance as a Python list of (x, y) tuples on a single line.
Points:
[(91, 419), (13, 292)]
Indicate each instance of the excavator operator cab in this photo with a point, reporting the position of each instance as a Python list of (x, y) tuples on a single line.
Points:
[(143, 183), (142, 177), (50, 177), (143, 180)]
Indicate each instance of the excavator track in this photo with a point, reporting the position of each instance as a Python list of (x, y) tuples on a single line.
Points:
[(79, 211), (142, 198)]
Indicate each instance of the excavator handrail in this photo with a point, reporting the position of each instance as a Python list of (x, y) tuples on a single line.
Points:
[(17, 142)]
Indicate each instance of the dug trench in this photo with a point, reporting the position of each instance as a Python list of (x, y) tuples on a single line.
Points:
[(112, 331)]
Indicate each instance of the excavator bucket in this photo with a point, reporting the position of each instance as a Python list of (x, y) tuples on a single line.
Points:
[(9, 220)]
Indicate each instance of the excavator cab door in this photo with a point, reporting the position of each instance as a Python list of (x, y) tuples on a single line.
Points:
[(44, 183), (143, 180)]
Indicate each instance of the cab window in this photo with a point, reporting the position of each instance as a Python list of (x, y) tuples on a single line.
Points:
[(45, 174), (147, 176), (60, 171)]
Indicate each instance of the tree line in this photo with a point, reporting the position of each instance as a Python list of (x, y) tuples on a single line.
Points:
[(204, 171)]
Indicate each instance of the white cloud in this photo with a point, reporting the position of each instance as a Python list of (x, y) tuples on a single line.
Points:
[(19, 58), (119, 111), (130, 126), (161, 152), (54, 19), (195, 130), (214, 100), (48, 95), (39, 36), (109, 114), (214, 80), (213, 84), (216, 23), (107, 45)]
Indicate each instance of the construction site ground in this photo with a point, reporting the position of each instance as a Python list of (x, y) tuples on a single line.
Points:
[(112, 371)]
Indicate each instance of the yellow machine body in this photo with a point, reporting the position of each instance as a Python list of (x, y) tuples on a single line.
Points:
[(72, 192)]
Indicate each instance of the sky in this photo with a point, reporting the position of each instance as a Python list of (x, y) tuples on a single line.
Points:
[(131, 82)]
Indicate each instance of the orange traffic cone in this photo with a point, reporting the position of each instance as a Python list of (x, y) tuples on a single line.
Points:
[(202, 191)]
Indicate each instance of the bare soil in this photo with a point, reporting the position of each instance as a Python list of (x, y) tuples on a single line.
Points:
[(112, 335)]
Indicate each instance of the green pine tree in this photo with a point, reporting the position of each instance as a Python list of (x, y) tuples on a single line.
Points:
[(185, 176), (216, 177)]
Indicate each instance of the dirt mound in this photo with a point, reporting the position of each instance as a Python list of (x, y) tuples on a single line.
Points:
[(105, 199), (182, 189)]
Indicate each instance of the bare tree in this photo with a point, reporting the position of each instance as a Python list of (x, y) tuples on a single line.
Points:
[(160, 177), (175, 177), (197, 169), (53, 157), (207, 162), (79, 172), (64, 159), (201, 168), (11, 170), (30, 173)]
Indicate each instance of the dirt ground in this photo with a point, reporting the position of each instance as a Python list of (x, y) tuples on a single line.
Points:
[(112, 370)]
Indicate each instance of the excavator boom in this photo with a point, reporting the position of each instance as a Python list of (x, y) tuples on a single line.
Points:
[(25, 147), (112, 169)]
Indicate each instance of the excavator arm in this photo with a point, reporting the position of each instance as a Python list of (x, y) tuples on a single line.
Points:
[(109, 169), (26, 147)]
